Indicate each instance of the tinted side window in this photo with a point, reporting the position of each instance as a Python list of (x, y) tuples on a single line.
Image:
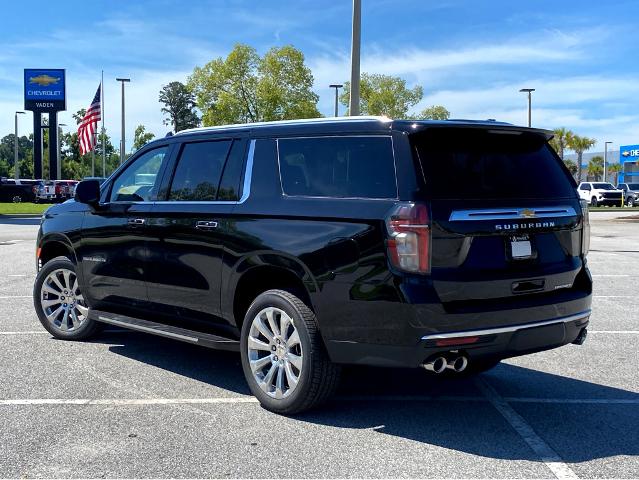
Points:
[(344, 167), (230, 184), (198, 171), (139, 182)]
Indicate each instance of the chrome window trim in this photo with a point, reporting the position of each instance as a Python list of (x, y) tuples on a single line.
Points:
[(510, 329), (511, 213), (246, 188)]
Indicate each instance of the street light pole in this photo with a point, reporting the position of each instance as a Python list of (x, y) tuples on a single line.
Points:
[(529, 91), (355, 57), (122, 141), (59, 153), (605, 159), (15, 149), (336, 87)]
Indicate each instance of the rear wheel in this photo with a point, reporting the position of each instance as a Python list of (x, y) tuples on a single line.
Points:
[(59, 303), (283, 357), (17, 198)]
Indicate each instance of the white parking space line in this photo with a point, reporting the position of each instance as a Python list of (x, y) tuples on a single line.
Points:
[(614, 296), (620, 332), (545, 453), (608, 276), (361, 398), (127, 401)]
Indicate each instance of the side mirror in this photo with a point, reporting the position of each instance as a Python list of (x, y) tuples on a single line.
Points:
[(88, 191)]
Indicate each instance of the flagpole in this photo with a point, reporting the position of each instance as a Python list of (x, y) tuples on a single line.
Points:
[(103, 131)]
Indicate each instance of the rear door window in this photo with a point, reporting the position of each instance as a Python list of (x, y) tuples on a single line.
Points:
[(342, 167), (198, 172), (483, 164)]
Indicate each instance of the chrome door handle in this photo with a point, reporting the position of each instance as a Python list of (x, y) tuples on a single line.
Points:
[(205, 225), (136, 221)]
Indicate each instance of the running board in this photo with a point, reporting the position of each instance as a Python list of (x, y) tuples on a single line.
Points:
[(168, 331)]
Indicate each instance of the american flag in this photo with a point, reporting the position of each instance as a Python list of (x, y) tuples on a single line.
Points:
[(89, 124)]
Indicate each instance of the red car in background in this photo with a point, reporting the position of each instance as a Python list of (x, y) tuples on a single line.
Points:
[(54, 190)]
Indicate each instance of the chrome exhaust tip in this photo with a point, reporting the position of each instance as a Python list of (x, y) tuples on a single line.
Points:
[(458, 364), (436, 365)]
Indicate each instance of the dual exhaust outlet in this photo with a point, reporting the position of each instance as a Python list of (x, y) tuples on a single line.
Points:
[(457, 363)]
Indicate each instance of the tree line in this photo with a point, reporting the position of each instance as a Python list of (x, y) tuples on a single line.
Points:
[(248, 87), (566, 139)]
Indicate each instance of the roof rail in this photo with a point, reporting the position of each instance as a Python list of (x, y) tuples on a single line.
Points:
[(301, 121)]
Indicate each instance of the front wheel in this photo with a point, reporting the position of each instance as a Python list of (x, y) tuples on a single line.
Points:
[(59, 303), (593, 201), (284, 360), (630, 202)]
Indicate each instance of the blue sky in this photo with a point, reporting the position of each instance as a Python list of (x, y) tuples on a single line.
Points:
[(470, 56)]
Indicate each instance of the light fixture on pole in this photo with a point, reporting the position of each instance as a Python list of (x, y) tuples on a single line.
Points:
[(353, 106), (60, 125), (336, 86), (605, 159), (529, 92), (122, 141), (15, 149)]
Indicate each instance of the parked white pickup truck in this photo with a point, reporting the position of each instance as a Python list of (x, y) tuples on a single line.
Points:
[(600, 193)]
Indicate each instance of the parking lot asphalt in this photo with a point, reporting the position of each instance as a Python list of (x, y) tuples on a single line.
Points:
[(131, 405)]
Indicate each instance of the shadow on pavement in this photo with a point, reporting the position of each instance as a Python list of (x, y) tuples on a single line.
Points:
[(467, 423)]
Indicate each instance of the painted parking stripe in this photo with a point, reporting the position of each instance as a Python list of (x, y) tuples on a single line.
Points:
[(545, 453), (340, 398)]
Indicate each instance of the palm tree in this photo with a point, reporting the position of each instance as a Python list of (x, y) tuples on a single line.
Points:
[(560, 141), (579, 145), (614, 169), (595, 167)]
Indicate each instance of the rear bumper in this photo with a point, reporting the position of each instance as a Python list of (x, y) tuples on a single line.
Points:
[(492, 343)]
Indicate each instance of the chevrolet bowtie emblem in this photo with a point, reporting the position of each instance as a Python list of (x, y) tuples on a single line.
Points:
[(44, 80), (527, 213)]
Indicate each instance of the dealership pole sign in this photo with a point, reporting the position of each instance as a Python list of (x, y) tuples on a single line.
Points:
[(45, 93), (629, 159)]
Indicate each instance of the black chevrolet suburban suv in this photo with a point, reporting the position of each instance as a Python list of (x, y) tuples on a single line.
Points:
[(310, 244)]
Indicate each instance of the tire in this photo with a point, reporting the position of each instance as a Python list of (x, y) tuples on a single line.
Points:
[(64, 319), (630, 202), (290, 363), (17, 198), (593, 201)]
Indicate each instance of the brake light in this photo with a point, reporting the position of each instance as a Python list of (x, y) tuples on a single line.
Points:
[(408, 243), (585, 228), (58, 189)]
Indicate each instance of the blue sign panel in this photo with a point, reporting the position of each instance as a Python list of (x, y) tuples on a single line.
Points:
[(629, 159), (44, 89)]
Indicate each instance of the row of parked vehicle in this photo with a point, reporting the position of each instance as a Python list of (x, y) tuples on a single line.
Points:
[(604, 193), (38, 191)]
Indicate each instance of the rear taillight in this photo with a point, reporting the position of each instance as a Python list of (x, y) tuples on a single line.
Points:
[(408, 226), (585, 229), (58, 189)]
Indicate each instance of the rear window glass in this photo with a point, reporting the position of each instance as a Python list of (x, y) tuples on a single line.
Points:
[(344, 167), (474, 163)]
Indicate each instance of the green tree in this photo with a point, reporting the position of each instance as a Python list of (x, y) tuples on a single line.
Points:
[(560, 140), (579, 145), (141, 137), (595, 167), (613, 171), (434, 112), (179, 105), (571, 166), (244, 87), (384, 95)]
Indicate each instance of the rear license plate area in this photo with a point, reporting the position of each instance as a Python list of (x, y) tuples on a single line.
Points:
[(519, 247)]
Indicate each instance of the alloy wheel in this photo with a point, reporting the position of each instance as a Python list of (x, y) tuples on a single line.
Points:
[(61, 300), (275, 352)]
